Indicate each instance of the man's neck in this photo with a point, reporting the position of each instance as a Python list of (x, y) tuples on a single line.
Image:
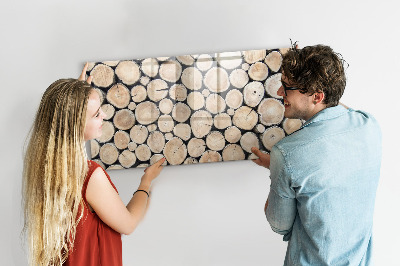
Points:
[(318, 108)]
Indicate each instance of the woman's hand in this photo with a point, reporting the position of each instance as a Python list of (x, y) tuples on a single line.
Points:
[(83, 74), (263, 158), (151, 172)]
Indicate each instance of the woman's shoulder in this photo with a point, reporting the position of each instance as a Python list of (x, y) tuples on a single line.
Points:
[(97, 170)]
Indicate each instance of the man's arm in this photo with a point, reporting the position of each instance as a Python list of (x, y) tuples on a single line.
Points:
[(281, 207)]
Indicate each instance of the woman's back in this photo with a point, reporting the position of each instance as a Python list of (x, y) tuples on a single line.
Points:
[(95, 242)]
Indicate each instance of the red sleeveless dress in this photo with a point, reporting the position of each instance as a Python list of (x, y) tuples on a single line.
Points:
[(95, 242)]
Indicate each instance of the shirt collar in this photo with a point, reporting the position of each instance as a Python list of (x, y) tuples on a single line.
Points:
[(326, 114)]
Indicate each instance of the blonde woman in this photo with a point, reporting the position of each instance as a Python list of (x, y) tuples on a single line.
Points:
[(73, 213)]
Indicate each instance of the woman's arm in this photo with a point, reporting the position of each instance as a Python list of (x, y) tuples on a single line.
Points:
[(108, 205)]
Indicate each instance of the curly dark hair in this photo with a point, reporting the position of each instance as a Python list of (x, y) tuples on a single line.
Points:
[(316, 69)]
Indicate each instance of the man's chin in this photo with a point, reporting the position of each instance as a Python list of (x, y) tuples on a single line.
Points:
[(290, 116)]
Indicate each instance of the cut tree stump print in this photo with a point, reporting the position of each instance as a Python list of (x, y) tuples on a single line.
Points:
[(189, 109)]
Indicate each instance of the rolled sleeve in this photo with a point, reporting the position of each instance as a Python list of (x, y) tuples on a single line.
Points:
[(281, 210)]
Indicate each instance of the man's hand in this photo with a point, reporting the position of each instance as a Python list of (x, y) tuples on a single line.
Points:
[(263, 158)]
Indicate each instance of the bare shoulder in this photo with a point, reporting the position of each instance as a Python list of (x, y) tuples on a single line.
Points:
[(98, 183), (99, 173)]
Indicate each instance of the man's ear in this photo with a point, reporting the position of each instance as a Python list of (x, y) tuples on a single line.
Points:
[(318, 97)]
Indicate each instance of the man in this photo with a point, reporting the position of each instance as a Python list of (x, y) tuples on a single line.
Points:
[(323, 176)]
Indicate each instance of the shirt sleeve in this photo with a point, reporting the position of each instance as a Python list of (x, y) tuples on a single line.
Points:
[(281, 210)]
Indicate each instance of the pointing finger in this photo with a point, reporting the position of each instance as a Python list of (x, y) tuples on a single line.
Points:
[(256, 151), (83, 74), (161, 161), (89, 80)]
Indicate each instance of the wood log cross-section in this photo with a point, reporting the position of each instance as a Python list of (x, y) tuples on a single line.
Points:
[(239, 78), (168, 136), (249, 140), (210, 156), (291, 125), (151, 127), (132, 146), (252, 56), (108, 153), (215, 141), (121, 139), (165, 123), (139, 134), (143, 152), (183, 131), (111, 63), (215, 103), (271, 136), (94, 148), (258, 71), (232, 134), (124, 119), (185, 59), (144, 80), (170, 71), (132, 106), (138, 93), (245, 118), (181, 112), (190, 160), (233, 152), (195, 100), (217, 79), (175, 151), (229, 60), (271, 111), (178, 92), (192, 78), (253, 93), (259, 128), (201, 122), (114, 167), (157, 90), (196, 147), (156, 141), (234, 99), (147, 112), (119, 96), (204, 62), (128, 72), (150, 67), (166, 106), (127, 158), (222, 121), (274, 61), (103, 75)]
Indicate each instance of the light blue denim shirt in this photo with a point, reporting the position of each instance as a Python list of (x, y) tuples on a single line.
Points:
[(323, 183)]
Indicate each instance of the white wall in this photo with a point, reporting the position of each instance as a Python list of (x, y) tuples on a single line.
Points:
[(202, 214)]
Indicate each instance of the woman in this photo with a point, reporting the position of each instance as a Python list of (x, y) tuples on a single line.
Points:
[(73, 213)]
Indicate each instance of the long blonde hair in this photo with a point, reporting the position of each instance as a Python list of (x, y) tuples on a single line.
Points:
[(55, 167)]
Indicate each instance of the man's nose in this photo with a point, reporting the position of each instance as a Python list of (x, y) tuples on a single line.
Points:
[(280, 91)]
